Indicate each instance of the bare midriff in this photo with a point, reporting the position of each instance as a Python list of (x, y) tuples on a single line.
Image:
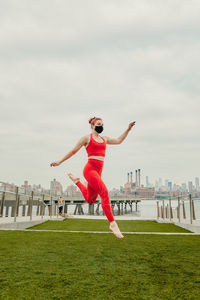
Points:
[(96, 157)]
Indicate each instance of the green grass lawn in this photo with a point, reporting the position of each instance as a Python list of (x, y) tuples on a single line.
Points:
[(103, 225), (61, 265)]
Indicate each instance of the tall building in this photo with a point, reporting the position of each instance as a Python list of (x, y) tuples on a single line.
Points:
[(196, 183), (170, 185), (159, 182), (56, 187), (156, 184), (183, 187), (147, 181), (139, 178), (176, 187), (190, 187), (166, 183)]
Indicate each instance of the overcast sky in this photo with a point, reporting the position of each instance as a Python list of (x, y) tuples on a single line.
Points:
[(63, 62)]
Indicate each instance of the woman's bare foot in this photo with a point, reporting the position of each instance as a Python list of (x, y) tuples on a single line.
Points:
[(115, 229), (73, 178)]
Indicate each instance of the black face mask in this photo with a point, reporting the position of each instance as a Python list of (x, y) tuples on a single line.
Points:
[(99, 129)]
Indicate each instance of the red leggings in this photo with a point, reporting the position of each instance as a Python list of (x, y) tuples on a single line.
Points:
[(92, 173)]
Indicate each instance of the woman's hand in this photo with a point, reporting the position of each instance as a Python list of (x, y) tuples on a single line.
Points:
[(56, 163), (131, 125)]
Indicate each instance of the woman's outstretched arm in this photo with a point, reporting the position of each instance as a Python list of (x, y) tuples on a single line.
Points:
[(76, 148), (120, 139)]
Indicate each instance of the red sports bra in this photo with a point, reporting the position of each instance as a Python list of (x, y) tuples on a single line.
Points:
[(96, 148)]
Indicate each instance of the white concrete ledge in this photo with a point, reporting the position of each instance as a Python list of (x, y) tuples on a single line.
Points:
[(24, 222), (191, 227), (20, 225), (194, 227)]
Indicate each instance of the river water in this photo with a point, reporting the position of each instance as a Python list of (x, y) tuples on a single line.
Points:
[(148, 208)]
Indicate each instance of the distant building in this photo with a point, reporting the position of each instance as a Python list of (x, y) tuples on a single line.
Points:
[(114, 192), (190, 187), (156, 184), (135, 188), (37, 188), (183, 187), (170, 185), (121, 189), (145, 192), (162, 189), (159, 182), (127, 188), (26, 187), (56, 187), (8, 187), (175, 187), (71, 190), (197, 183), (147, 181), (166, 183)]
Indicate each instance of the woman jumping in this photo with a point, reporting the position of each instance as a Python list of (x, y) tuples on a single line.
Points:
[(96, 146)]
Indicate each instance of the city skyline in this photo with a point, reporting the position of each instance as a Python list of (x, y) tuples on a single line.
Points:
[(190, 185)]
